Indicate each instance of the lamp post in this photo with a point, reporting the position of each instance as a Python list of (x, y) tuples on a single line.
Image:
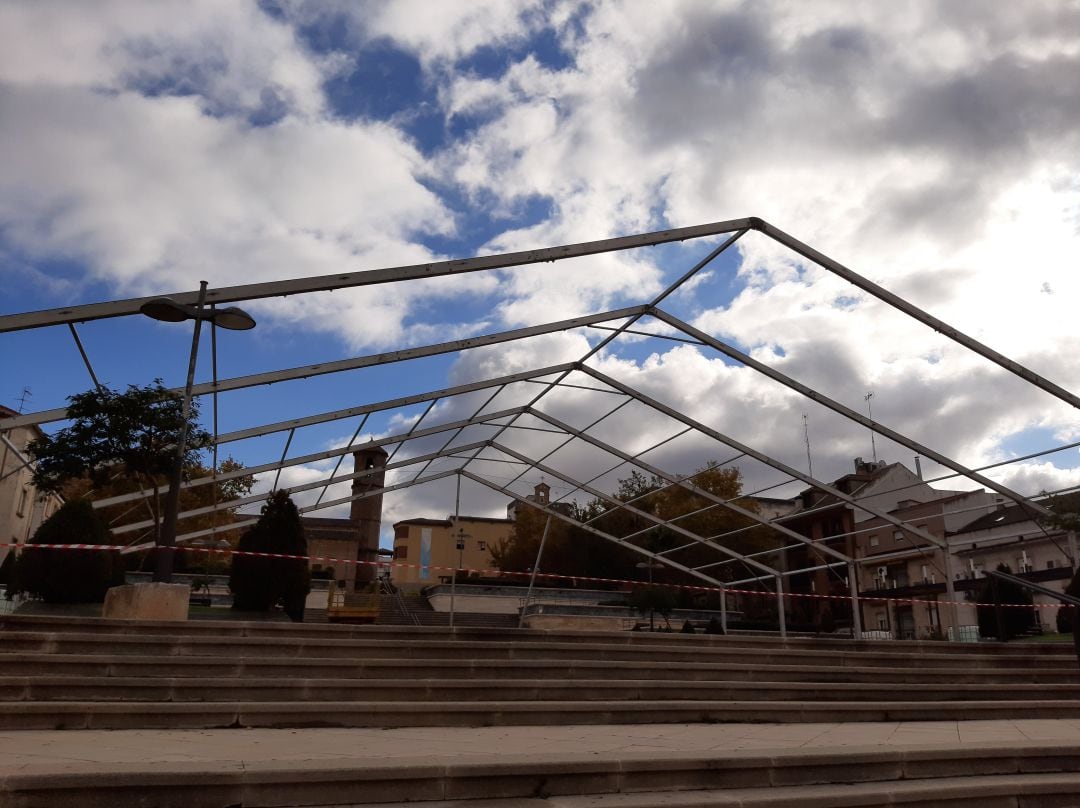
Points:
[(169, 311), (650, 566), (453, 581)]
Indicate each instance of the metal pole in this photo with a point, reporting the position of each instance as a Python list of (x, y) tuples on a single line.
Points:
[(856, 607), (453, 580), (780, 605), (953, 610), (163, 563), (652, 627), (535, 569), (1072, 549), (723, 608)]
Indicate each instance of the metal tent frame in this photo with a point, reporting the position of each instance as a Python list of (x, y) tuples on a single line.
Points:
[(462, 451)]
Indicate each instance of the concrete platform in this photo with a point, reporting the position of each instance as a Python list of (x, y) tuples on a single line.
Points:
[(989, 763)]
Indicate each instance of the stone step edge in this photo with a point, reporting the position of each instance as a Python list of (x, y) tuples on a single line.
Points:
[(194, 660), (1006, 791), (377, 781), (234, 627), (419, 685), (190, 646), (281, 715), (197, 664)]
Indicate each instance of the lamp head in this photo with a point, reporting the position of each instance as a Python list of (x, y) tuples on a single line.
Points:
[(166, 310), (233, 318)]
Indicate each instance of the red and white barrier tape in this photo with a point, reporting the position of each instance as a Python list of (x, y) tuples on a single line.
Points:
[(502, 573)]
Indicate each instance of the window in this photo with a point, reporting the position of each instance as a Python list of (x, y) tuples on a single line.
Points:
[(1051, 564), (482, 545), (874, 542), (883, 624), (898, 535), (23, 496), (401, 551), (401, 532)]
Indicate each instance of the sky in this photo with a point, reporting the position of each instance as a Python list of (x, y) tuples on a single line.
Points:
[(930, 146)]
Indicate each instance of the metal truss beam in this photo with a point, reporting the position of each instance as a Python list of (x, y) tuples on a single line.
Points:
[(761, 457), (351, 280), (233, 504), (323, 368), (325, 455), (700, 492), (847, 412), (391, 404), (636, 512), (590, 529), (915, 312), (307, 509)]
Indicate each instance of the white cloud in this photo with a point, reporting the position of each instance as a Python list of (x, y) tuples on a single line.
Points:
[(931, 148)]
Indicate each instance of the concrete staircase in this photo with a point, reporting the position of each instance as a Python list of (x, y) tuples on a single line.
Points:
[(91, 673), (413, 609), (58, 673)]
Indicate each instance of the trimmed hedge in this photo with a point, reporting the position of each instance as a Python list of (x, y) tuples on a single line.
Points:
[(259, 584), (68, 576)]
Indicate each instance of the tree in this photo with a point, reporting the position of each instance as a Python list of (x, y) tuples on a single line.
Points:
[(1007, 600), (68, 576), (220, 492), (259, 584), (571, 550), (129, 434)]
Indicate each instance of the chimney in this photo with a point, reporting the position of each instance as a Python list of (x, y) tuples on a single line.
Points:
[(366, 513), (918, 466)]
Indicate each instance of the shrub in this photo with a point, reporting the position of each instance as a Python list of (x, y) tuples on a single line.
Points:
[(1014, 620), (714, 627), (1066, 619), (260, 584), (69, 576)]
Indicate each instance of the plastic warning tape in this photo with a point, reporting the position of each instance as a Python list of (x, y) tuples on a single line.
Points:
[(551, 575)]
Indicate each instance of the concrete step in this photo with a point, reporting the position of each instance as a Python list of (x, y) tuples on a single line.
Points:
[(1031, 775), (265, 689), (150, 666), (994, 791), (337, 647), (232, 628), (201, 715)]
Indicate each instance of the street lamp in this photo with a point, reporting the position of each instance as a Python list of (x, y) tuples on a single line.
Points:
[(650, 566), (169, 311)]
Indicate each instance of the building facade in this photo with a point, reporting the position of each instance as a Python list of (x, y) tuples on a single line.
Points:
[(22, 507), (426, 550), (347, 550)]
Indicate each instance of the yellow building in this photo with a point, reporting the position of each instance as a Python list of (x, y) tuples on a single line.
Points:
[(426, 550)]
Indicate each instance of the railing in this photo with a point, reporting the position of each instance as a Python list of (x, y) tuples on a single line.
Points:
[(399, 601)]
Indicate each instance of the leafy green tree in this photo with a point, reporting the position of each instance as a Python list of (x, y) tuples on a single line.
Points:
[(112, 434), (221, 493), (1014, 619), (571, 550), (68, 576), (259, 584)]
